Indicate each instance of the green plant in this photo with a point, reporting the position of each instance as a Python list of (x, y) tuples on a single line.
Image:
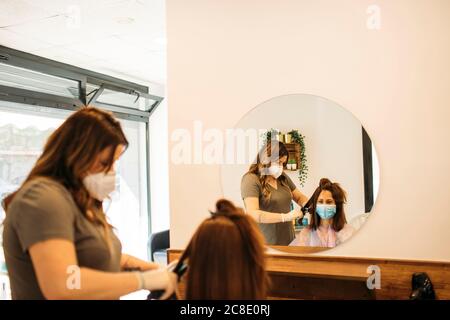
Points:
[(269, 135), (303, 167)]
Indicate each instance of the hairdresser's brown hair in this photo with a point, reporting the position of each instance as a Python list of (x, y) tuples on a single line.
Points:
[(70, 152), (226, 257), (340, 198), (270, 152)]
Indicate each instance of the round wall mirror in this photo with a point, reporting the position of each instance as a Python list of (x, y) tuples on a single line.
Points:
[(305, 168)]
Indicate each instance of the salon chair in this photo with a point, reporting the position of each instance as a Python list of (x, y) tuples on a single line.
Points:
[(158, 244)]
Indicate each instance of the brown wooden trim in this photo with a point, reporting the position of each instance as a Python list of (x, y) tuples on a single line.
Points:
[(362, 260), (293, 271), (299, 250)]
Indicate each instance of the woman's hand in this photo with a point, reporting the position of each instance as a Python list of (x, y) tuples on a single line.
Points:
[(294, 214), (160, 279), (260, 216), (171, 266)]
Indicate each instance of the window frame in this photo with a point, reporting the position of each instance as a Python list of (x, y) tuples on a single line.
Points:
[(46, 66)]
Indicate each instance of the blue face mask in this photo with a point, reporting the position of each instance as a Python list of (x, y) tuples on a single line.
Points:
[(326, 211)]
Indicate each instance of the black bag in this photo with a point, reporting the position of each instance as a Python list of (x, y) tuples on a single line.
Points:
[(422, 287)]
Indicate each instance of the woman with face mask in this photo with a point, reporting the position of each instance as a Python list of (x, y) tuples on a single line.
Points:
[(268, 193), (328, 226), (57, 241)]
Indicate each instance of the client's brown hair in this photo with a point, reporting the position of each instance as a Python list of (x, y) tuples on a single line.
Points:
[(340, 198), (226, 257)]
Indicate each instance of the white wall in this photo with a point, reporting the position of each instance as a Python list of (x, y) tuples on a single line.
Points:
[(333, 140), (225, 57)]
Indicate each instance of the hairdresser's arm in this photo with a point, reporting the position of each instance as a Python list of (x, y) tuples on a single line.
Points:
[(299, 197), (130, 262), (252, 208), (51, 261)]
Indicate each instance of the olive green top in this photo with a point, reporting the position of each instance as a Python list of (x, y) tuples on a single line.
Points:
[(44, 209), (279, 202)]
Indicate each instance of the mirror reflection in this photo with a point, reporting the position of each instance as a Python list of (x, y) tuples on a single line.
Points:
[(312, 179)]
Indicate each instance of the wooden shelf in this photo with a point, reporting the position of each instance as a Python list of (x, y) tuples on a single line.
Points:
[(294, 153)]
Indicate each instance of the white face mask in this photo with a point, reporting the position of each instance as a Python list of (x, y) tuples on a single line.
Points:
[(275, 171), (100, 185)]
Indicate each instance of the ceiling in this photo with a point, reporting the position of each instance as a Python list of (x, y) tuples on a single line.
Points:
[(122, 38)]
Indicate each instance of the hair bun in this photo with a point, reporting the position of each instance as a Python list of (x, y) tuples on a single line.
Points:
[(225, 206), (325, 182)]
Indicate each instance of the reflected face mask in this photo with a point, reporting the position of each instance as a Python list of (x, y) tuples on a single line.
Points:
[(275, 171), (326, 211)]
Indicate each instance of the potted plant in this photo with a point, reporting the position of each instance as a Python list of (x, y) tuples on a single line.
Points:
[(289, 165), (293, 164)]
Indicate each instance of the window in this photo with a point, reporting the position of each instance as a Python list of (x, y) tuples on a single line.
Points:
[(127, 210), (22, 137), (17, 77), (130, 99)]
